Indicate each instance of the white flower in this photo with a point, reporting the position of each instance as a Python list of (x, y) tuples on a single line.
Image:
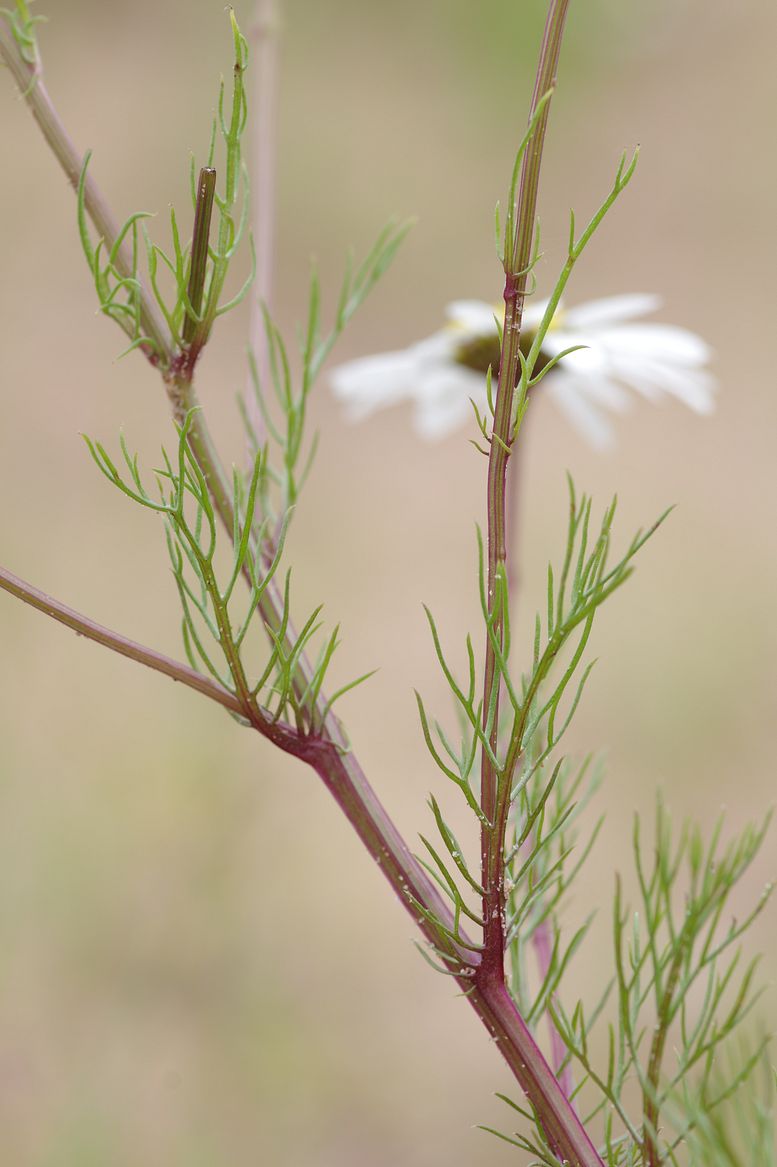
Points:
[(441, 374)]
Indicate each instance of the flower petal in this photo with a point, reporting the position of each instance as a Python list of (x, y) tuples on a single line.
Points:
[(655, 360), (444, 404), (610, 310), (473, 316), (655, 379), (662, 342), (594, 384), (382, 380), (581, 412), (376, 382)]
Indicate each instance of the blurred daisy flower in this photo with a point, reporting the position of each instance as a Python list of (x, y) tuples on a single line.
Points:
[(444, 373)]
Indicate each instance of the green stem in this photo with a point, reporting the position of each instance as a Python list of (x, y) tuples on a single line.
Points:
[(489, 997), (281, 735), (650, 1102), (496, 783), (84, 626), (347, 783), (226, 638), (326, 753), (29, 79), (562, 1126), (184, 400), (206, 188)]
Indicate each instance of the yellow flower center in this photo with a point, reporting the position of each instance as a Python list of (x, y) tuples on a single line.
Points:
[(483, 352)]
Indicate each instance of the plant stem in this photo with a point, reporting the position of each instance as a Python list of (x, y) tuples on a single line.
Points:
[(563, 1129), (279, 733), (29, 80), (562, 1126), (495, 785), (84, 626), (345, 780), (488, 996), (482, 981), (183, 397), (541, 936), (650, 1101), (206, 188), (515, 474), (175, 369)]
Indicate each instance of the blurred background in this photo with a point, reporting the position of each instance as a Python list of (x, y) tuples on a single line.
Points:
[(199, 965)]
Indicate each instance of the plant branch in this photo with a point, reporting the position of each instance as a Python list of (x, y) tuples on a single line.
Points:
[(326, 751), (176, 368), (206, 187), (84, 626), (29, 79), (496, 784), (562, 1126), (491, 1001), (650, 1094), (541, 940), (278, 732)]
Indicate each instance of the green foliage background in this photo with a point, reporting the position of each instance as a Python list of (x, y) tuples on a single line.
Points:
[(198, 966)]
